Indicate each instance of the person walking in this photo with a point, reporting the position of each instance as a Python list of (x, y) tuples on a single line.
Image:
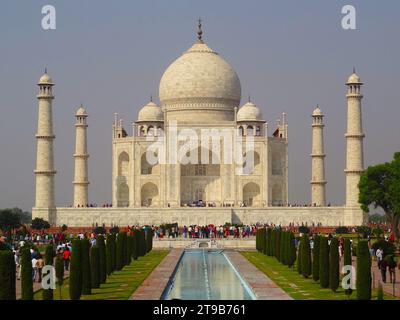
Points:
[(34, 268), (392, 268), (40, 265), (383, 267), (379, 256), (66, 257)]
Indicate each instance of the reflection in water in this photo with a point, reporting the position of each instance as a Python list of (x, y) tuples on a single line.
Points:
[(207, 275)]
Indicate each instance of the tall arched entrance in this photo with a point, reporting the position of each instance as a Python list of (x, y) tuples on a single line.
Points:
[(251, 194), (149, 195)]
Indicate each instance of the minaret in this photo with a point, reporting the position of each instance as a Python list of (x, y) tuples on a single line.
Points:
[(81, 156), (318, 182), (44, 155), (354, 140)]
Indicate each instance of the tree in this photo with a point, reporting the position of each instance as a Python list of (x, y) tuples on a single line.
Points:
[(60, 273), (135, 248), (334, 265), (102, 258), (95, 266), (315, 259), (26, 274), (292, 250), (86, 271), (129, 248), (282, 248), (347, 260), (278, 244), (305, 256), (75, 273), (120, 251), (9, 220), (269, 242), (7, 275), (299, 256), (110, 253), (40, 224), (380, 186), (48, 261), (363, 275), (324, 262)]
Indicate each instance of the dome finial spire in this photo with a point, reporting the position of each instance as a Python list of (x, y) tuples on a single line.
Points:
[(354, 69), (200, 31)]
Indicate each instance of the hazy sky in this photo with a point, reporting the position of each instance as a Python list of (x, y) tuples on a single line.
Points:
[(110, 56)]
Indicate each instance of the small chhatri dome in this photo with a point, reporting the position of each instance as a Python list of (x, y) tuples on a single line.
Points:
[(45, 79), (81, 111), (317, 112), (354, 78), (150, 112), (249, 112)]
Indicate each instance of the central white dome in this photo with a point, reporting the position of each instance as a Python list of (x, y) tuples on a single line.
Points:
[(200, 80)]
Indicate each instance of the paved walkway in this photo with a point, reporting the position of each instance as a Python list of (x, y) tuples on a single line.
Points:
[(390, 288), (263, 287), (154, 285)]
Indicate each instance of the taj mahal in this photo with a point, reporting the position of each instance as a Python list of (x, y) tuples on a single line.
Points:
[(199, 157)]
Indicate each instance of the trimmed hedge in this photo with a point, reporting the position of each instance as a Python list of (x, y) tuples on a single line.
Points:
[(60, 272), (26, 274), (135, 249), (95, 266), (75, 273), (305, 256), (48, 261), (102, 258), (363, 280), (299, 256), (7, 275), (292, 250), (324, 262), (86, 270), (315, 259), (110, 253), (334, 264), (120, 251)]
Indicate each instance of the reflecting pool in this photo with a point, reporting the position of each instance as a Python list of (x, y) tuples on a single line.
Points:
[(207, 275)]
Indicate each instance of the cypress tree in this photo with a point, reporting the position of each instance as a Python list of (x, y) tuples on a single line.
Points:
[(281, 247), (334, 265), (109, 254), (363, 275), (114, 251), (291, 250), (120, 251), (129, 248), (142, 246), (324, 262), (347, 252), (347, 259), (315, 258), (60, 272), (306, 257), (75, 273), (102, 258), (26, 274), (95, 266), (135, 248), (299, 256), (273, 242), (150, 237), (278, 244), (264, 241), (86, 270), (48, 261), (268, 243), (7, 275)]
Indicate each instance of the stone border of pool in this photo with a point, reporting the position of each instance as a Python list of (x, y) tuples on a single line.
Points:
[(154, 285), (263, 287)]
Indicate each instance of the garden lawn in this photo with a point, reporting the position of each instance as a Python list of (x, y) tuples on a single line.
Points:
[(298, 287), (121, 284)]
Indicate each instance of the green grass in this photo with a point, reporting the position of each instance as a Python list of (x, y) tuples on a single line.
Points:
[(298, 287), (121, 284)]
